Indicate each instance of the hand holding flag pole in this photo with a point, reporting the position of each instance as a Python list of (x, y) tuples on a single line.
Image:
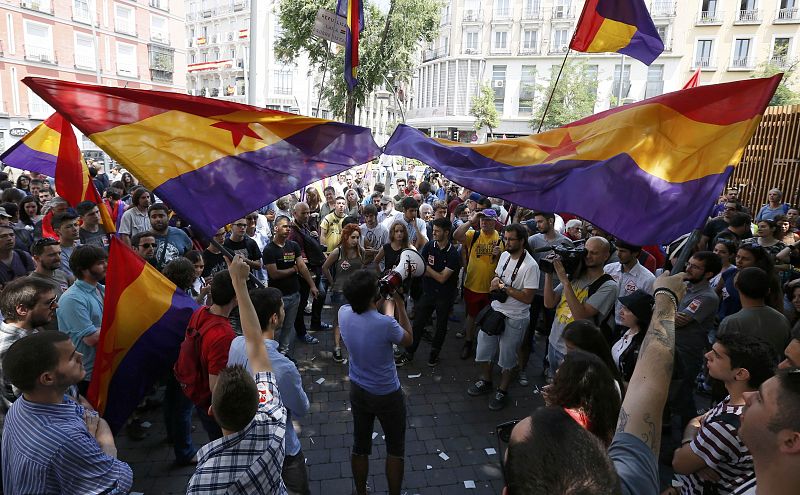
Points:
[(230, 255)]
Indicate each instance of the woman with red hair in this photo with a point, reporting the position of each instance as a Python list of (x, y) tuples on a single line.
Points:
[(346, 258)]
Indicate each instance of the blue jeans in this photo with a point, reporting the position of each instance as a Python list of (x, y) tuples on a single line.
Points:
[(554, 358), (291, 303), (178, 419)]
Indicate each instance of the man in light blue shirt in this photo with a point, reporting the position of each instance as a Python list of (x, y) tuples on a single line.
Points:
[(80, 308), (269, 308)]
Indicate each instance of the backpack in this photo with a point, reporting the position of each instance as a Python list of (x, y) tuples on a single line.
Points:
[(190, 372), (312, 248), (604, 325)]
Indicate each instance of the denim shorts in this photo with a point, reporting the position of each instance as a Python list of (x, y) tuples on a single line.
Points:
[(390, 409), (507, 344)]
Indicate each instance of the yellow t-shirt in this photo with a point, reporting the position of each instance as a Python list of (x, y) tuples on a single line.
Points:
[(480, 270), (333, 227)]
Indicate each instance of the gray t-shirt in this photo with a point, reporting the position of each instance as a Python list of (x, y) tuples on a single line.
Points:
[(636, 465), (763, 322), (537, 241), (602, 300)]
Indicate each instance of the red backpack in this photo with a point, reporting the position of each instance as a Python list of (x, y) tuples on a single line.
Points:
[(190, 371)]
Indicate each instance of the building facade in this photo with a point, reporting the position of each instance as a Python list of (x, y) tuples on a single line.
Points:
[(516, 45), (135, 44)]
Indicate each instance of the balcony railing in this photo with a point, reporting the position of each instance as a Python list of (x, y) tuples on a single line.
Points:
[(501, 14), (562, 12), (125, 27), (710, 17), (741, 63), (531, 14), (748, 17), (555, 48), (160, 37), (496, 50), (661, 8), (787, 15), (472, 16), (81, 15), (87, 62), (470, 50), (440, 52), (37, 5), (528, 50), (39, 54), (703, 62), (778, 61)]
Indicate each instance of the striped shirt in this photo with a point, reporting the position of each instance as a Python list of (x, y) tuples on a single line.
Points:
[(249, 461), (747, 488), (47, 449), (718, 444)]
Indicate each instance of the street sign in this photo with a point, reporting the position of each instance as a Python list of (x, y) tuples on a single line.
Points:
[(330, 26)]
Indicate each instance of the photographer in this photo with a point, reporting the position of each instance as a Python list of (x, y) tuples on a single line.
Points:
[(512, 290), (590, 295)]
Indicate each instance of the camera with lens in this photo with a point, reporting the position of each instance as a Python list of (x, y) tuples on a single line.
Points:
[(571, 258), (499, 295)]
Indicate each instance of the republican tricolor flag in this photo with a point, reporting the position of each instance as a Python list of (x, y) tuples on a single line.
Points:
[(353, 11)]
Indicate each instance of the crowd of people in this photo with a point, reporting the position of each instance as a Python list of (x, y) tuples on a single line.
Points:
[(627, 345)]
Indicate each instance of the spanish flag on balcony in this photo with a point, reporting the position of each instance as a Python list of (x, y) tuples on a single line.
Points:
[(646, 172), (212, 161), (144, 322), (622, 26), (52, 149), (353, 11)]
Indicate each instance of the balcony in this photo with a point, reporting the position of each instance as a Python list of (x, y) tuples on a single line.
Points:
[(532, 14), (470, 50), (501, 14), (556, 49), (85, 62), (741, 64), (41, 55), (160, 4), (81, 15), (787, 15), (471, 16), (710, 18), (562, 12), (703, 63), (661, 8), (124, 26), (779, 61), (45, 7), (748, 17), (440, 52), (529, 50), (500, 50)]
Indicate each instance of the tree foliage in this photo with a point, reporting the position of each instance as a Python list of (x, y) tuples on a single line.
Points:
[(388, 44), (483, 109), (784, 94), (573, 100)]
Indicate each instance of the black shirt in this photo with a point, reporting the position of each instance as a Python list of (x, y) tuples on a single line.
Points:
[(215, 262), (714, 227), (247, 247), (439, 259), (283, 258)]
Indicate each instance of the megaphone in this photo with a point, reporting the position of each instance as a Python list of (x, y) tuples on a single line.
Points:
[(411, 265)]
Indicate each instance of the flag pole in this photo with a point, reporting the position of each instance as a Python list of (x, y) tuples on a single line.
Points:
[(621, 82), (553, 91)]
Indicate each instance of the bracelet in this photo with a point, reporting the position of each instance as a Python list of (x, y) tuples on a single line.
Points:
[(667, 292)]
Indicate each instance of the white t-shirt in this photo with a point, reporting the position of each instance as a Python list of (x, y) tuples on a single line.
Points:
[(527, 278), (414, 228), (639, 278)]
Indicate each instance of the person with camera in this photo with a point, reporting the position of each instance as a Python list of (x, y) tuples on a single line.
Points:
[(511, 290), (585, 294)]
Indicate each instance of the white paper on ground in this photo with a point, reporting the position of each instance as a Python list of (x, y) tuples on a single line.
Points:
[(415, 376), (490, 451), (321, 381), (469, 484), (428, 466), (444, 456), (374, 434)]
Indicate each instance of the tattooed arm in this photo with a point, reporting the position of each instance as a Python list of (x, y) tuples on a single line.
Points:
[(647, 391)]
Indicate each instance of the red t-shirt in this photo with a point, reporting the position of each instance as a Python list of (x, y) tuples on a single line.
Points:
[(216, 341)]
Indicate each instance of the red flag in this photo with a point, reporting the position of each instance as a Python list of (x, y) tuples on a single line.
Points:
[(693, 81)]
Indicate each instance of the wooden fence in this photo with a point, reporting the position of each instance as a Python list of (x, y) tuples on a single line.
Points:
[(771, 159)]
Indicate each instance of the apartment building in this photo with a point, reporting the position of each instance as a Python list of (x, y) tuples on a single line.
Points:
[(129, 43), (516, 45)]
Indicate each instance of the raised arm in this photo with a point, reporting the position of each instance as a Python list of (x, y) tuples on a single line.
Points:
[(647, 391), (254, 343)]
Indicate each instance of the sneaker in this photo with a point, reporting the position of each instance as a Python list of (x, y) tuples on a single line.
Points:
[(337, 355), (403, 360), (321, 327), (499, 400), (308, 339), (467, 351), (481, 387), (523, 379), (433, 360)]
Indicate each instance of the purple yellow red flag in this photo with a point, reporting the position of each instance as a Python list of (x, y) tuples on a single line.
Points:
[(693, 81), (212, 161), (647, 172), (353, 11), (52, 149), (144, 322), (621, 26)]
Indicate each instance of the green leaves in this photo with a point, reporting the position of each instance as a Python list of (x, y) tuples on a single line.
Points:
[(574, 97), (483, 109)]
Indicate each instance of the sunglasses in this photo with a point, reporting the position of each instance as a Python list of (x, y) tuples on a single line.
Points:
[(147, 245)]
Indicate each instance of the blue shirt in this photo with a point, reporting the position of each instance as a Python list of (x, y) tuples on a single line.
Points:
[(290, 385), (170, 246), (47, 449), (369, 337), (80, 314)]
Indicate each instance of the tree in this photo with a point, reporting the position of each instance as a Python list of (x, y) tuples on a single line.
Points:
[(387, 46), (574, 97), (784, 94), (483, 109)]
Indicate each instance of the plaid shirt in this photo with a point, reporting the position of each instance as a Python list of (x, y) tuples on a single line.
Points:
[(249, 461)]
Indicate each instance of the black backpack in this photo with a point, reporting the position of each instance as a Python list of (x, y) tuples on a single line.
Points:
[(312, 248), (604, 325)]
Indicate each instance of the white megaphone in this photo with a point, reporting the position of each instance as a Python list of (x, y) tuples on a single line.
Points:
[(411, 265)]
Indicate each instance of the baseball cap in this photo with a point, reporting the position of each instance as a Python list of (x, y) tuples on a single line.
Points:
[(488, 213), (640, 303), (3, 213), (475, 196)]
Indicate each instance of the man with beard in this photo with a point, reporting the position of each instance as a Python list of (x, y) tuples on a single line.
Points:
[(144, 244), (47, 256), (213, 257), (314, 256), (239, 243), (135, 219), (171, 242)]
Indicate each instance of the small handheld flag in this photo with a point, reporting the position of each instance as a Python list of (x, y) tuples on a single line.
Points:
[(353, 11)]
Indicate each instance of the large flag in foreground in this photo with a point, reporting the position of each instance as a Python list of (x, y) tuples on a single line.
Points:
[(353, 11), (144, 323), (646, 172), (212, 161), (52, 149), (622, 26)]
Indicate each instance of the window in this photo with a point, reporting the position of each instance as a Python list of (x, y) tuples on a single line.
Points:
[(471, 10), (80, 11), (780, 51), (527, 90), (560, 40), (530, 40), (741, 53), (531, 9), (38, 42), (626, 82), (85, 57), (124, 20), (38, 5), (161, 63), (15, 82), (159, 30), (501, 9), (590, 74), (160, 4), (126, 59), (787, 10), (471, 41), (37, 107), (703, 53), (501, 40), (12, 47), (283, 81), (499, 86), (561, 9), (655, 81), (663, 33), (709, 8)]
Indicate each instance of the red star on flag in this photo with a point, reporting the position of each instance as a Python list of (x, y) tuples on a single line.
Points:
[(238, 130), (566, 147)]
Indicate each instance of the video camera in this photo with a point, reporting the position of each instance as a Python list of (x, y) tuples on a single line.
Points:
[(571, 258)]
